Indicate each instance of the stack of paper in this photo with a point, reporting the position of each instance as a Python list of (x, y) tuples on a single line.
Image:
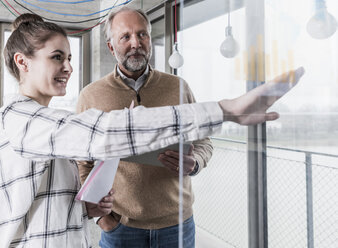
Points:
[(99, 181)]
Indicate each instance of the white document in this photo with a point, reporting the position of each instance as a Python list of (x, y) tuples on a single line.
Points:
[(99, 181), (151, 158)]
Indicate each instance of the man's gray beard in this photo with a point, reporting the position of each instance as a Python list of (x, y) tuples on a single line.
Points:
[(135, 65)]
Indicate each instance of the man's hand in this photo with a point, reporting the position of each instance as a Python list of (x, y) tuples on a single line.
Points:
[(102, 208), (108, 223), (250, 108), (170, 159)]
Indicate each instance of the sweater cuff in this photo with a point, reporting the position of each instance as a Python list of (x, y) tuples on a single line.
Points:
[(195, 170), (200, 163)]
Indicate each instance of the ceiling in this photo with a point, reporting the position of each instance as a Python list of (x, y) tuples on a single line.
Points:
[(145, 4), (59, 10), (68, 12)]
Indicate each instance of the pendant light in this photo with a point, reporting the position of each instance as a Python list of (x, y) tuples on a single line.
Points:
[(176, 59), (322, 25), (229, 47)]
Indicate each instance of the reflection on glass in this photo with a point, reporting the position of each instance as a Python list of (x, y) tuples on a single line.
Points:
[(68, 101), (308, 111), (220, 208), (303, 143), (302, 152)]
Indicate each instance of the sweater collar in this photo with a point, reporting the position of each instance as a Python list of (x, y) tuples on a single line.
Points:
[(119, 80)]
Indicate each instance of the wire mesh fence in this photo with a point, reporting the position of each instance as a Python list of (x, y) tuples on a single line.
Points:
[(220, 206), (325, 205), (286, 203), (302, 206)]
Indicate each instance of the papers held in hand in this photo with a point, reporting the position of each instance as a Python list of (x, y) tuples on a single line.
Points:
[(151, 158), (101, 178), (99, 181)]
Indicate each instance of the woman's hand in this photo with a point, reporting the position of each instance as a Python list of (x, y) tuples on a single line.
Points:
[(102, 208), (250, 108)]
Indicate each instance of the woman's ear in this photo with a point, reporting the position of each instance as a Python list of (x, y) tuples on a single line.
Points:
[(21, 61)]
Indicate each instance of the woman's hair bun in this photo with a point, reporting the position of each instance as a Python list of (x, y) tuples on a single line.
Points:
[(25, 18)]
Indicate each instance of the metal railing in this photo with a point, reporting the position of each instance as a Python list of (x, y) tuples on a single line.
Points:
[(301, 212)]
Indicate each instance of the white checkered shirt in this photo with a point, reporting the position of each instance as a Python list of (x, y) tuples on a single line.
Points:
[(38, 146)]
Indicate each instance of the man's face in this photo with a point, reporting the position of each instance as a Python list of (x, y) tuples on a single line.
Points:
[(131, 43)]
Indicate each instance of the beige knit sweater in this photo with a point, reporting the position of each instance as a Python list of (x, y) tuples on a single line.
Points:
[(145, 196)]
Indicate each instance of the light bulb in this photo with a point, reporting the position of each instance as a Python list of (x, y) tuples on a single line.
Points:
[(176, 59), (229, 47), (322, 25)]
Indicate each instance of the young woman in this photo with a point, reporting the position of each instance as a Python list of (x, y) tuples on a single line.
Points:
[(38, 145)]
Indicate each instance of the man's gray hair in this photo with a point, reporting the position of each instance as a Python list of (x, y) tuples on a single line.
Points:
[(107, 26)]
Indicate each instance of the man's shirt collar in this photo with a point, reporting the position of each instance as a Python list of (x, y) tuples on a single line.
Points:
[(136, 85)]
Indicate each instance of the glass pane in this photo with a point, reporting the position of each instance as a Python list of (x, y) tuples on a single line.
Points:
[(303, 143), (157, 35), (68, 101), (220, 207)]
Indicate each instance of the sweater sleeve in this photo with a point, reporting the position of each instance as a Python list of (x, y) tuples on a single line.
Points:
[(40, 133)]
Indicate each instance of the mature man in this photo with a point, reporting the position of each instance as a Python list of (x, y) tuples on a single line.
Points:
[(146, 204)]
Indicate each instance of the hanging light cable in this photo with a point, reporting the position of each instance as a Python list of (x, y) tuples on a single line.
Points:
[(176, 59), (322, 25), (229, 47)]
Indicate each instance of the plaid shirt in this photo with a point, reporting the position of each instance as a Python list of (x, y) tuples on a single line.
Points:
[(38, 146)]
